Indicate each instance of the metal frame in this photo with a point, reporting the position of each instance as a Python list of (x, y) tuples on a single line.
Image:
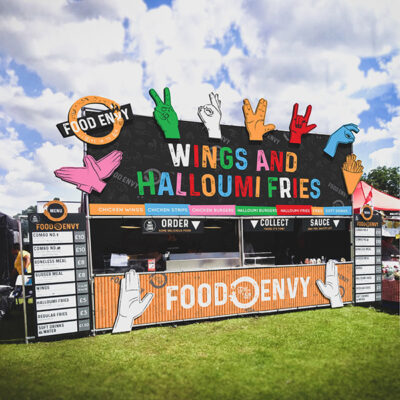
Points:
[(21, 250)]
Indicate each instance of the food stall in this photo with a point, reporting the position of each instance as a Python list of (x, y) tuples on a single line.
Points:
[(186, 221), (217, 227)]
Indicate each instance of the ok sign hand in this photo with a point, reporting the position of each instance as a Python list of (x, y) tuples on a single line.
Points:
[(165, 115)]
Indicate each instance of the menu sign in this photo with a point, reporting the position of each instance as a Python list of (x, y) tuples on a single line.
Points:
[(323, 224), (368, 256), (268, 225), (172, 225), (60, 274)]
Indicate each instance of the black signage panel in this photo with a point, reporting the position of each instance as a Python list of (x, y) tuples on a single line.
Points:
[(268, 225), (172, 225), (323, 224), (95, 121), (60, 275), (196, 170)]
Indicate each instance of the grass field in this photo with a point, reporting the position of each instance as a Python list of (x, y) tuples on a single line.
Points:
[(349, 353)]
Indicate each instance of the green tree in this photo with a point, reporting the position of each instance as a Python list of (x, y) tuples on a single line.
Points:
[(386, 179)]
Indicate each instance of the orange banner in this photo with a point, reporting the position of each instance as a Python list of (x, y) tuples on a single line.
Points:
[(117, 209), (203, 294)]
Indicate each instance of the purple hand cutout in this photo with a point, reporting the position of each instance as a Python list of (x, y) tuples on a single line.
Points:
[(90, 177)]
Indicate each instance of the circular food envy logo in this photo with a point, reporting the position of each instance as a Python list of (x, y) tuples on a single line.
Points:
[(73, 119), (55, 210), (367, 212), (149, 225)]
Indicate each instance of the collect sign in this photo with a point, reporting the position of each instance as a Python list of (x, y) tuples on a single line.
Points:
[(172, 225), (323, 224), (268, 225), (234, 176), (368, 256), (60, 274)]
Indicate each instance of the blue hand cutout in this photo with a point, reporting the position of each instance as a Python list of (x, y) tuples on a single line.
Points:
[(343, 135)]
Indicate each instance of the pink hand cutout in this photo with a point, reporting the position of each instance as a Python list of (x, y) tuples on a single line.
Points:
[(90, 177)]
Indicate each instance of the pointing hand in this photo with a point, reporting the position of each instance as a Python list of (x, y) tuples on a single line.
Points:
[(298, 124), (330, 289), (165, 115), (255, 121), (343, 135), (130, 305), (211, 114)]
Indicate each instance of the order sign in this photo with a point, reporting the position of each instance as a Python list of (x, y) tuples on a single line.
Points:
[(60, 275)]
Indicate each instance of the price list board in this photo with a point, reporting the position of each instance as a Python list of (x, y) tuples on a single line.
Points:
[(368, 258), (60, 275)]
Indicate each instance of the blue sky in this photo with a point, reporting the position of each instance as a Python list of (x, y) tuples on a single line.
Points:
[(341, 57)]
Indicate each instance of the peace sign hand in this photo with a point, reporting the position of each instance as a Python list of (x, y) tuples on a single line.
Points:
[(298, 124), (165, 115), (255, 121)]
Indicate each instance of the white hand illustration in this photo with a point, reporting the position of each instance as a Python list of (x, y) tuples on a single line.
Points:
[(130, 305), (330, 289), (210, 115)]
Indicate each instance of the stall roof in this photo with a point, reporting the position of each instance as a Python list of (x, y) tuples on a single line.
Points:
[(8, 222), (365, 193)]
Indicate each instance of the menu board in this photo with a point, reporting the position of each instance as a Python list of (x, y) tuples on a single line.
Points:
[(60, 275), (368, 258)]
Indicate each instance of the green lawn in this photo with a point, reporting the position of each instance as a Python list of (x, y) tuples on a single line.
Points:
[(349, 353)]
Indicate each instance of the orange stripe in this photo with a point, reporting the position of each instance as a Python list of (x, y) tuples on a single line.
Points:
[(117, 209), (269, 282)]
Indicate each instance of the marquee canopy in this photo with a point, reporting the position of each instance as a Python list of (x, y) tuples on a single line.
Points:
[(365, 193)]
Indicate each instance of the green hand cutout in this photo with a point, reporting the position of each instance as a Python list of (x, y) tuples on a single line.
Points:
[(165, 115)]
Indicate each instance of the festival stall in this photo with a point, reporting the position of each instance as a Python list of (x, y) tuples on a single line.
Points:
[(197, 220)]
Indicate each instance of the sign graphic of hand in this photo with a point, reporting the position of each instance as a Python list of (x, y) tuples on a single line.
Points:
[(255, 121), (90, 177), (298, 124), (210, 115), (130, 305), (343, 135), (330, 289), (165, 115)]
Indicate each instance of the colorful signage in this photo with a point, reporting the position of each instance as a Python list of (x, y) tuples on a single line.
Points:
[(193, 176)]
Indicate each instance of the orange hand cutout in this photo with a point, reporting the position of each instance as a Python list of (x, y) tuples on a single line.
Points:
[(255, 121)]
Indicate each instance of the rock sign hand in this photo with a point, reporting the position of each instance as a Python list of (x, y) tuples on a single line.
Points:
[(299, 124)]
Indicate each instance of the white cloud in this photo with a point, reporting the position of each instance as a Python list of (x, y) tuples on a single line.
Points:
[(29, 177), (306, 52), (387, 156)]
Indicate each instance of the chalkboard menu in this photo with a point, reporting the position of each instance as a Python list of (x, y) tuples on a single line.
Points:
[(60, 274), (368, 256)]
